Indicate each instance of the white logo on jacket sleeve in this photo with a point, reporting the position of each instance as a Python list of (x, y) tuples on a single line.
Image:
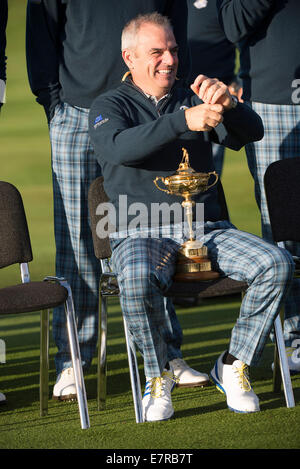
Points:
[(99, 121), (200, 4)]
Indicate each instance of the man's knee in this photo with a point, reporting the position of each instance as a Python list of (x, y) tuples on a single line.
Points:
[(280, 264), (137, 281)]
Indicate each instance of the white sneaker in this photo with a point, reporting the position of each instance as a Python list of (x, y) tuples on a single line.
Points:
[(64, 388), (293, 357), (187, 376), (2, 398), (157, 403), (233, 380)]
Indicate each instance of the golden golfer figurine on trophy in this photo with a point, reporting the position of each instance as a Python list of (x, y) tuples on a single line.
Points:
[(193, 262)]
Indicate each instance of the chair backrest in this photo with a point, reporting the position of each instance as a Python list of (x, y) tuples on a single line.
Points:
[(97, 196), (15, 246), (282, 187)]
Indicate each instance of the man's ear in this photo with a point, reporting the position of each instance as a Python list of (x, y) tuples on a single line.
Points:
[(127, 55)]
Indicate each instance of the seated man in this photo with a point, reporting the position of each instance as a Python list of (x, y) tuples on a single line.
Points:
[(138, 132)]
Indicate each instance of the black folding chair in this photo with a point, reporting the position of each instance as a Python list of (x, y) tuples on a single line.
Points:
[(28, 296), (282, 189)]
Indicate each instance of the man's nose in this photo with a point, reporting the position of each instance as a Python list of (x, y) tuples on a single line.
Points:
[(168, 58)]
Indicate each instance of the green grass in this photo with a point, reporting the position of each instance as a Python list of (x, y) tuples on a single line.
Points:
[(25, 150), (202, 419)]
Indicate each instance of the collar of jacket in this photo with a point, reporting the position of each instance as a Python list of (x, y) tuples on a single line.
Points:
[(127, 80)]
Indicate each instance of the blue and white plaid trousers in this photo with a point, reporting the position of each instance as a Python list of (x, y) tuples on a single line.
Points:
[(74, 167), (281, 140), (145, 267)]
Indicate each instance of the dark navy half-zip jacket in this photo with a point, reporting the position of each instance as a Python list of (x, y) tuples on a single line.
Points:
[(135, 142)]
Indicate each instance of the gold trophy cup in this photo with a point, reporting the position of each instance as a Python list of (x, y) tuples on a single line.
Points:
[(193, 263)]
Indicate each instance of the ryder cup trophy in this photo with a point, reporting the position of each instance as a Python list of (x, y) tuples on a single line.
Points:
[(192, 263)]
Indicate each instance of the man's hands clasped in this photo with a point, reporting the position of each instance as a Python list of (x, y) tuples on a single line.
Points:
[(216, 99)]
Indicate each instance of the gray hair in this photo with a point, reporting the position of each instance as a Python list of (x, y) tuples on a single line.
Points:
[(131, 29)]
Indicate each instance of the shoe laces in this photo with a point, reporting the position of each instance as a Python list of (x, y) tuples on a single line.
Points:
[(159, 383), (243, 377), (290, 351)]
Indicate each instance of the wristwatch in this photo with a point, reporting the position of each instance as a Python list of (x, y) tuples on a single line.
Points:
[(234, 101)]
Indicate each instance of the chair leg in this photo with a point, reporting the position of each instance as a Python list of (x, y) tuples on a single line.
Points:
[(102, 360), (76, 358), (276, 369), (44, 362), (75, 352), (283, 362), (134, 376)]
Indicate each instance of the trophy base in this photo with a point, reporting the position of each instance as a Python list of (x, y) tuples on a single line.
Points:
[(193, 263), (196, 276), (193, 250)]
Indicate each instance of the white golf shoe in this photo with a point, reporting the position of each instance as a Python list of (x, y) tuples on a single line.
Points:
[(65, 389), (293, 357), (233, 381), (187, 376), (157, 402)]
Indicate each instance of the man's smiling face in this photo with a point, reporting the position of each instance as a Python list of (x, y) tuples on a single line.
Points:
[(154, 61)]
